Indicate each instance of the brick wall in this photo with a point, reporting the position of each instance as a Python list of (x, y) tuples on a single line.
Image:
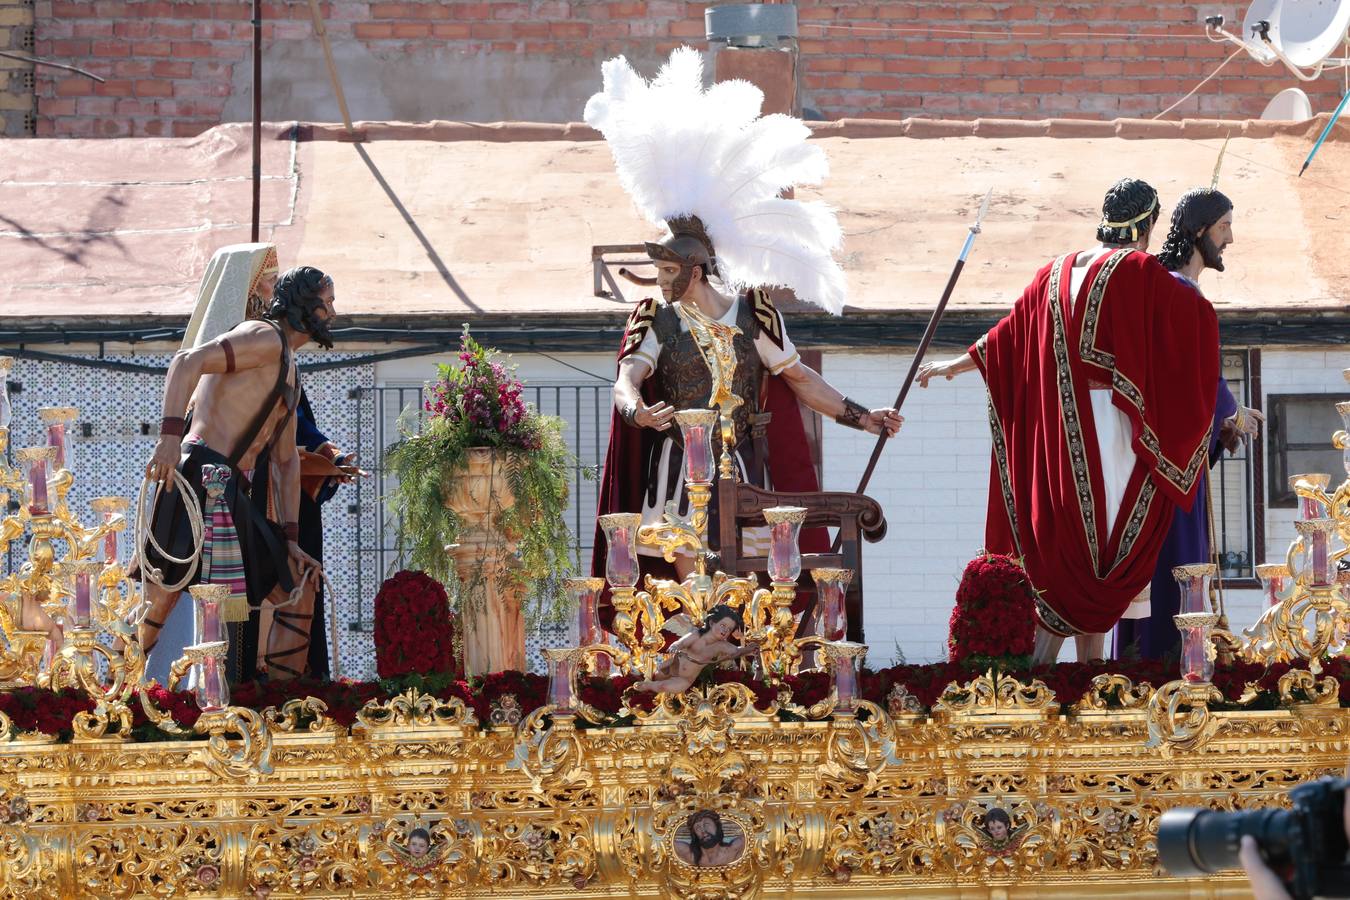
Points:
[(180, 66), (16, 76)]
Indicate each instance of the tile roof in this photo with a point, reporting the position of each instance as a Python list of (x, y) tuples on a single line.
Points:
[(448, 220)]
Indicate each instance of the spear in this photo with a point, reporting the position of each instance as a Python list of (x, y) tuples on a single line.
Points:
[(1340, 107), (927, 338)]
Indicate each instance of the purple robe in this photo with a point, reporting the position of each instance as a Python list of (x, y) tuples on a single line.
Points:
[(1187, 542)]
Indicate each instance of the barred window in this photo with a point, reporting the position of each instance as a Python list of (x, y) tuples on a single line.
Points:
[(1234, 497), (1300, 430)]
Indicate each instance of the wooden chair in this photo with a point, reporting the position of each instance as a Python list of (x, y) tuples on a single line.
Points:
[(855, 515)]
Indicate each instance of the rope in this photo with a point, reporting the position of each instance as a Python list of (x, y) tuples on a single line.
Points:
[(1205, 81), (145, 538)]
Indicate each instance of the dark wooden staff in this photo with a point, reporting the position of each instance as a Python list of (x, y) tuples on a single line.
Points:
[(923, 345)]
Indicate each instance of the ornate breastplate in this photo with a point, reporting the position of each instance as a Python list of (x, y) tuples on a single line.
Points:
[(682, 376)]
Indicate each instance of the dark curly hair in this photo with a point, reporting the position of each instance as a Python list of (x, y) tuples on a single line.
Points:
[(1196, 210), (295, 300), (1126, 202), (721, 611)]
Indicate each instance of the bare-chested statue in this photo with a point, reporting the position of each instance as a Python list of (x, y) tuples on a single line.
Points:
[(708, 645), (242, 389)]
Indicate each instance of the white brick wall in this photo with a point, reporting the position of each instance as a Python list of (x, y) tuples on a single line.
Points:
[(932, 480)]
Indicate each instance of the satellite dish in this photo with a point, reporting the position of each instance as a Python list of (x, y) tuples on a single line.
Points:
[(1263, 16), (1289, 105), (1310, 30), (1302, 34)]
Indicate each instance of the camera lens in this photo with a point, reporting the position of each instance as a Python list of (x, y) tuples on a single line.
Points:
[(1201, 841)]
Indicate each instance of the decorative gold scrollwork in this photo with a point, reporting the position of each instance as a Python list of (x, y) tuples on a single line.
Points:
[(1179, 716)]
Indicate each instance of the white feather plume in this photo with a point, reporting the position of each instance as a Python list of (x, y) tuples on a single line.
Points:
[(681, 149)]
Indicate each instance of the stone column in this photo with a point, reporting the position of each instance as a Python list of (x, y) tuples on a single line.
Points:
[(492, 618)]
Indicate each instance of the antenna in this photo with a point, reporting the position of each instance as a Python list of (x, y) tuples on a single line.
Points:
[(1289, 105), (1301, 34)]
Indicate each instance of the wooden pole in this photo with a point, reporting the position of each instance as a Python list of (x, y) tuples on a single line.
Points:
[(257, 117), (332, 67)]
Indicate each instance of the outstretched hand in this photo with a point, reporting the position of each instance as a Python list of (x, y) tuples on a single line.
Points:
[(931, 370)]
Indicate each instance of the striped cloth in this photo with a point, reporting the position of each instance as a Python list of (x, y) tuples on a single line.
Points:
[(222, 556)]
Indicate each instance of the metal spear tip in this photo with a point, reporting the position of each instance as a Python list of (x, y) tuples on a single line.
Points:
[(984, 209)]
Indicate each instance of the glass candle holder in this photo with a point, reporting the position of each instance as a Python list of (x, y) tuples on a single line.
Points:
[(621, 564), (59, 421), (208, 623), (83, 580), (562, 678), (831, 588), (1193, 580), (208, 677), (1274, 577), (844, 658), (697, 427), (1197, 650), (209, 681), (36, 463), (1315, 568), (1343, 409), (785, 554), (6, 411), (112, 513), (585, 593), (1310, 507)]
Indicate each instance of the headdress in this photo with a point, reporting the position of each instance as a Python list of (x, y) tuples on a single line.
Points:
[(231, 277), (709, 167), (1129, 205)]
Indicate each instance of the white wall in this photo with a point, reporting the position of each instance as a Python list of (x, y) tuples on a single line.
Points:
[(932, 481)]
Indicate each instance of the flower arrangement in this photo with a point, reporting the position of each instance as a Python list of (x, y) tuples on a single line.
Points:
[(414, 627), (477, 403), (993, 624), (1245, 686)]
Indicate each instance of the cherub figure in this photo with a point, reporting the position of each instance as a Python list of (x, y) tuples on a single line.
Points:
[(999, 833), (708, 645), (419, 853)]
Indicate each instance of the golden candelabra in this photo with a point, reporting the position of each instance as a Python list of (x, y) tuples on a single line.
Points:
[(1307, 617), (69, 620)]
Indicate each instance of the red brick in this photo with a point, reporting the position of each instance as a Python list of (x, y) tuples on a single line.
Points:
[(574, 29), (152, 48), (171, 69), (70, 49), (95, 106), (91, 29), (412, 29), (126, 107), (191, 129), (75, 86), (150, 87), (50, 106), (136, 28), (372, 31), (447, 30), (110, 48), (132, 68)]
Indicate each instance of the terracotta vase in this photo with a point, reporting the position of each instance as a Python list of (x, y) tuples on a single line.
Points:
[(491, 611)]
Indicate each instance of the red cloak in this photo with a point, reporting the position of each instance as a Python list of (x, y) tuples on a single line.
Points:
[(1155, 342)]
